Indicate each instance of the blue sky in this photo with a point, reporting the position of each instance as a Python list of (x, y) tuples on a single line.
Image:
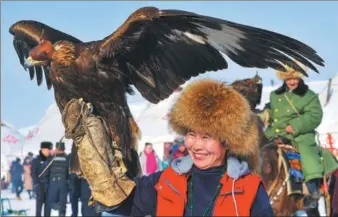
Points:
[(23, 103)]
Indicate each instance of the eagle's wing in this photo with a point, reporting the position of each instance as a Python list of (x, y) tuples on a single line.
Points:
[(27, 34), (157, 50)]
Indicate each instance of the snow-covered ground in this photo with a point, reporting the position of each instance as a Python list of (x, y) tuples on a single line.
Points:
[(29, 205)]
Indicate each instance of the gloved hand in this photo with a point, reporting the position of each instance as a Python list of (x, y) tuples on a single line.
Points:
[(101, 165)]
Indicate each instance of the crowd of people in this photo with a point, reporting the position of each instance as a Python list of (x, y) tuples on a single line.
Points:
[(151, 163), (52, 186), (19, 177), (46, 179)]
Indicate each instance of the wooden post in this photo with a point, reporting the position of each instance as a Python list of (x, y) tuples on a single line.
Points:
[(328, 94)]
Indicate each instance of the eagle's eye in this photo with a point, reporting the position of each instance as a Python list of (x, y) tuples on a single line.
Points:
[(42, 55), (43, 51)]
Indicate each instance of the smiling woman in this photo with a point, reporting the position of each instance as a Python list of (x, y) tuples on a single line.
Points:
[(205, 151), (217, 178)]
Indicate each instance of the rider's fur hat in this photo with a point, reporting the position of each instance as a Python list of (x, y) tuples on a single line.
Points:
[(212, 107), (290, 72)]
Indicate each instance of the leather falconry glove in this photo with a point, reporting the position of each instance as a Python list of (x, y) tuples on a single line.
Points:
[(100, 160)]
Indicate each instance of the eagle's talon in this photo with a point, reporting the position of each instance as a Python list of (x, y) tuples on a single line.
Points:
[(90, 107)]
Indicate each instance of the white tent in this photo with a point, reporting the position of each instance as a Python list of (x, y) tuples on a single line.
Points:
[(50, 128), (12, 141), (329, 123)]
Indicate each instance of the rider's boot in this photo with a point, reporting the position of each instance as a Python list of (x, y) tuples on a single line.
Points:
[(311, 200)]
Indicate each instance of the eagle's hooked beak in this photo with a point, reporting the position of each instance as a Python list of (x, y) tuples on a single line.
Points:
[(258, 79), (29, 62)]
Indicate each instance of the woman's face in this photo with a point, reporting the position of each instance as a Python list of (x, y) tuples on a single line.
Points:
[(181, 148), (205, 151), (148, 149)]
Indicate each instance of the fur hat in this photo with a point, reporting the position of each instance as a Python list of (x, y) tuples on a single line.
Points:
[(46, 144), (212, 107), (60, 146), (290, 72)]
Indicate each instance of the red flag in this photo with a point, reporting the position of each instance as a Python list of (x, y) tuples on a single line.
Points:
[(10, 139), (32, 133)]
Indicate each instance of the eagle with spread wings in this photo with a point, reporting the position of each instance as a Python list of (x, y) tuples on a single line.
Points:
[(155, 51)]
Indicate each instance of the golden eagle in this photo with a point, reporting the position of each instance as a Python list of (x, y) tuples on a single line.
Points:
[(251, 89), (154, 50)]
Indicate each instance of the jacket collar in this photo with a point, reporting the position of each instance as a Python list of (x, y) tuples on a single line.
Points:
[(300, 90), (235, 167)]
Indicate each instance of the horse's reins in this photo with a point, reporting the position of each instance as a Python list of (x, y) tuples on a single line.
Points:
[(274, 183)]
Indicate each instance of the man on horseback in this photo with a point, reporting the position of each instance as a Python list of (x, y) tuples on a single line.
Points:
[(294, 112)]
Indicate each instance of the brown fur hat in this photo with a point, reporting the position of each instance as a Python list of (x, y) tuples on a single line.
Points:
[(290, 72), (212, 107)]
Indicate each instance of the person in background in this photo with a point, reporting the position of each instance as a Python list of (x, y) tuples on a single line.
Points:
[(178, 140), (40, 179), (58, 176), (150, 162), (294, 113), (4, 183), (333, 189), (167, 158), (17, 171), (27, 176), (87, 210), (180, 152), (30, 156), (74, 183), (10, 176)]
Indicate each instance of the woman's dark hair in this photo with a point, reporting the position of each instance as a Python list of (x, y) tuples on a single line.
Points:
[(24, 161), (148, 143)]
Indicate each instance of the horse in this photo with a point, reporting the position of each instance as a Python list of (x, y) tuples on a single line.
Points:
[(275, 179), (273, 172)]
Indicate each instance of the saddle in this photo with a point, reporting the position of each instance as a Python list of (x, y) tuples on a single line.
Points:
[(291, 161), (293, 169)]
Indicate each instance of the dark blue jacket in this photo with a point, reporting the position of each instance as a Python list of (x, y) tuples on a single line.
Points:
[(39, 163), (16, 172), (74, 185), (58, 168), (143, 200)]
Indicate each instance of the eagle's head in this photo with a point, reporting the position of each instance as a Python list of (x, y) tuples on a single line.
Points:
[(40, 55), (251, 89), (62, 52)]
